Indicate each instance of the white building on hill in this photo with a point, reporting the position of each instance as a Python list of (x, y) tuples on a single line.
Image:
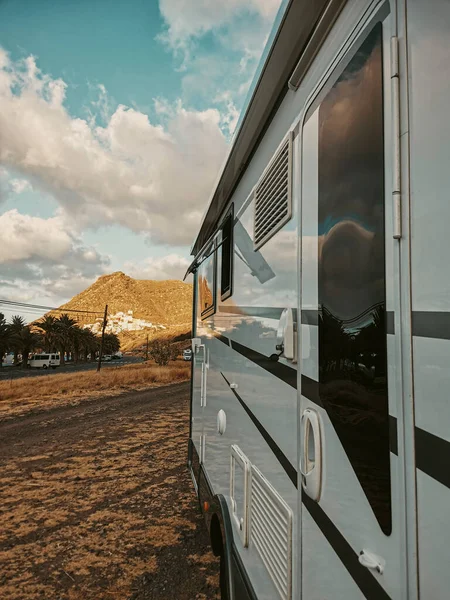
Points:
[(121, 321)]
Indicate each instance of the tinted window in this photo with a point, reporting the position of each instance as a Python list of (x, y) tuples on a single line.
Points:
[(45, 356), (206, 283), (227, 258), (352, 326)]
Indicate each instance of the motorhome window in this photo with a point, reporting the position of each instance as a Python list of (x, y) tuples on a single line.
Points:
[(352, 279), (207, 283), (226, 279)]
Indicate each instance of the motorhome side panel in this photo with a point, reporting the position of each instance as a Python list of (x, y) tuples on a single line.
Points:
[(346, 530), (260, 404), (429, 90)]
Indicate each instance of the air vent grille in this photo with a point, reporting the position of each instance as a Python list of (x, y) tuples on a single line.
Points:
[(271, 532), (273, 203)]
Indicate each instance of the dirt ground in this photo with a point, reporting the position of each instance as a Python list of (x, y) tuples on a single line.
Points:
[(97, 503)]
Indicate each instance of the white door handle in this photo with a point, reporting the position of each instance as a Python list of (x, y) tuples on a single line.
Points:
[(221, 422), (311, 459), (371, 561)]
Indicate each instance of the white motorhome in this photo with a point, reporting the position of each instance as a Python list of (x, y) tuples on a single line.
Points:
[(44, 361), (320, 421)]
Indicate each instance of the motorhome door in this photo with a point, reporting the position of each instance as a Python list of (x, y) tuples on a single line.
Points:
[(353, 535)]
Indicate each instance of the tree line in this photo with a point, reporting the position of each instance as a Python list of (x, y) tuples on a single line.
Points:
[(52, 334)]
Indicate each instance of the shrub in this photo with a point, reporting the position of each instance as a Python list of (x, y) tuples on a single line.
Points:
[(161, 352)]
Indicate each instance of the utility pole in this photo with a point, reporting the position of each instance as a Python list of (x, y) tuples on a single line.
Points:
[(146, 352), (103, 339)]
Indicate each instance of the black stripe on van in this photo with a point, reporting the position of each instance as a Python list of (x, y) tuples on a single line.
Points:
[(431, 324), (424, 323), (310, 387), (290, 470), (310, 317), (433, 456), (266, 312), (276, 368), (432, 452)]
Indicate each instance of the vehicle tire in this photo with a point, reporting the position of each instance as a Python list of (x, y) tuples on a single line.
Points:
[(223, 579), (44, 366)]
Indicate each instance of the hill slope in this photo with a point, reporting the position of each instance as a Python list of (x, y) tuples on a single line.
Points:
[(161, 303), (164, 302)]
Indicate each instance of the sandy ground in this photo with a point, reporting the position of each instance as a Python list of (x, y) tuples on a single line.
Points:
[(97, 503)]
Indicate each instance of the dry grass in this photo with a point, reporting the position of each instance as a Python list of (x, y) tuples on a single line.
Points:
[(92, 503), (20, 396)]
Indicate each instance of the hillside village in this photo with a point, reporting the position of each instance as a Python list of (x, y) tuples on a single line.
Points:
[(120, 322)]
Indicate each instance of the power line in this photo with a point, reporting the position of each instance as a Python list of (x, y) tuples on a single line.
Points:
[(38, 307)]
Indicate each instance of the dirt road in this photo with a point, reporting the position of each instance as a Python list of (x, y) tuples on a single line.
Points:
[(97, 503)]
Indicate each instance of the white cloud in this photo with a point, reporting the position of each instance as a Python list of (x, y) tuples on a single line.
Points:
[(20, 185), (171, 266), (130, 171), (240, 29), (188, 19), (45, 256), (3, 179), (25, 237)]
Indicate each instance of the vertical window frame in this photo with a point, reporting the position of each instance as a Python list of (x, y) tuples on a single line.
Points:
[(224, 295), (332, 79), (208, 312)]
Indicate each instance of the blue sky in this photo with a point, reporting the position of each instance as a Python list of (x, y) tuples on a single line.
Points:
[(115, 119)]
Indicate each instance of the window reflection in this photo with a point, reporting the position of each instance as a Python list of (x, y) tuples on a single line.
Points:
[(352, 327), (206, 284)]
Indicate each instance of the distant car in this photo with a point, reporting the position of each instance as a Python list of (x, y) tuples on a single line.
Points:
[(106, 357), (187, 354), (116, 357)]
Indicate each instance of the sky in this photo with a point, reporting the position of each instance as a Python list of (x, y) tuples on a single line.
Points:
[(115, 120)]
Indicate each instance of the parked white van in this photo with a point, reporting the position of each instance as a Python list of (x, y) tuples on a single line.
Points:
[(44, 361)]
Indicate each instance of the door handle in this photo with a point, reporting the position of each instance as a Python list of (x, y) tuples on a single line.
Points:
[(311, 459)]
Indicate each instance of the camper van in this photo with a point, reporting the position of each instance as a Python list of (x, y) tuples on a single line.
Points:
[(320, 417), (44, 361)]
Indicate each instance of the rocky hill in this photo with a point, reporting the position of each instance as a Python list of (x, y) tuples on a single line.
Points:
[(136, 307), (166, 302)]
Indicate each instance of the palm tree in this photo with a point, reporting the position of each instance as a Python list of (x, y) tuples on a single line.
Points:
[(65, 326), (89, 343), (16, 326), (27, 340), (77, 338), (5, 336), (49, 325), (111, 343)]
